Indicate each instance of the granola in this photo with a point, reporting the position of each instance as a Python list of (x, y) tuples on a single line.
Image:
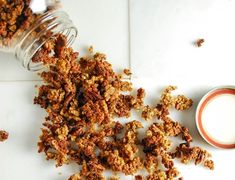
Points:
[(3, 135), (209, 164), (83, 98), (199, 42)]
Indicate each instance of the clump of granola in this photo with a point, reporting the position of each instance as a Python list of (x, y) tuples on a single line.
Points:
[(138, 177), (199, 42), (82, 99), (3, 135), (209, 164), (188, 154), (127, 72)]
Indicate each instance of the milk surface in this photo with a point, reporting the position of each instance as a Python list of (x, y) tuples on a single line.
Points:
[(218, 118)]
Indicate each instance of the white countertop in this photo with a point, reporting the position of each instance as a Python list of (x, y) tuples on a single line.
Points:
[(152, 37)]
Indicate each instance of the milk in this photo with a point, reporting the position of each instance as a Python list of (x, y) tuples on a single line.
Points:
[(218, 118)]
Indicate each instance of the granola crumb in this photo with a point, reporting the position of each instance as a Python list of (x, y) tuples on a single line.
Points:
[(127, 72), (209, 164), (3, 135), (91, 50), (199, 42), (138, 177)]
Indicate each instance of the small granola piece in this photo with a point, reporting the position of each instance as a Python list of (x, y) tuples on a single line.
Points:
[(167, 161), (139, 102), (199, 42), (117, 128), (133, 125), (96, 112), (132, 166), (115, 161), (162, 111), (138, 177), (185, 135), (123, 106), (209, 164), (187, 154), (95, 166), (3, 135), (182, 103), (151, 162), (157, 175), (125, 86), (167, 99), (149, 113), (172, 173), (171, 128), (91, 50), (127, 72), (62, 132), (155, 140)]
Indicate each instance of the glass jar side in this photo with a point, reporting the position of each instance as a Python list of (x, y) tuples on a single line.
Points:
[(49, 25), (26, 25)]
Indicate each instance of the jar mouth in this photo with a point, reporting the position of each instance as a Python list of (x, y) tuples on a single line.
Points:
[(69, 32)]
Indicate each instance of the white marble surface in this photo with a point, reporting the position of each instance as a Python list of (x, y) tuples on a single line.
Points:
[(160, 34), (163, 32)]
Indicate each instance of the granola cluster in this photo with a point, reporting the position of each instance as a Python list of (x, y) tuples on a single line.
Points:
[(82, 99), (199, 42), (3, 135)]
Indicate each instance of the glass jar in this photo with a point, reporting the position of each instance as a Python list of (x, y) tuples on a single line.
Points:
[(25, 26)]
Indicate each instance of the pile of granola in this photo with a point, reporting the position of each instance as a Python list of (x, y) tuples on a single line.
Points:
[(82, 99)]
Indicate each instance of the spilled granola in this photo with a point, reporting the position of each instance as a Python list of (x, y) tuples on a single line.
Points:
[(82, 99)]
